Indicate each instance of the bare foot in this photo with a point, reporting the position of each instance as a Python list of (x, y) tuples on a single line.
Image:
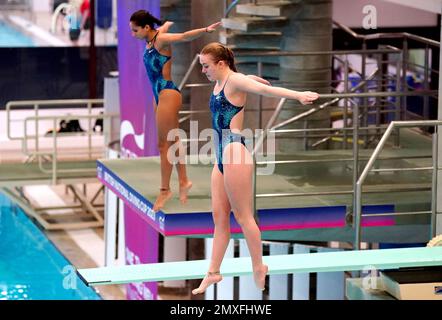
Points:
[(184, 190), (162, 198), (260, 276), (209, 279)]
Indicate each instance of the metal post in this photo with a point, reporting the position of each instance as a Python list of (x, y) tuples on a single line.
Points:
[(357, 216), (426, 86), (434, 184), (89, 131), (36, 129), (355, 150), (54, 154), (92, 54), (357, 204), (404, 77), (364, 100), (379, 89), (188, 72), (345, 102), (397, 102)]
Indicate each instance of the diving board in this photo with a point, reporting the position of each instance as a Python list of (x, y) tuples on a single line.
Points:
[(278, 264)]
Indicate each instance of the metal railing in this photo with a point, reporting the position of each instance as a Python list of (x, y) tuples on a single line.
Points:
[(230, 7), (377, 36), (35, 136), (355, 158), (368, 168), (400, 83), (333, 99), (53, 154), (406, 37), (363, 85), (37, 106), (259, 54)]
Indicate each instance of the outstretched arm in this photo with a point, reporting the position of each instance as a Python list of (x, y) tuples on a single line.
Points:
[(245, 83), (167, 38)]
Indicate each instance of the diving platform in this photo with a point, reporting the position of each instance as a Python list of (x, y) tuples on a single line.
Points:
[(380, 259), (85, 214), (320, 216), (30, 173)]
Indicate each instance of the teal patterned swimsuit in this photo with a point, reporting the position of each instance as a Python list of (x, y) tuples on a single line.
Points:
[(154, 63), (222, 114)]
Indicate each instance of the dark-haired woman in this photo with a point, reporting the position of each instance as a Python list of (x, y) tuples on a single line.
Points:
[(231, 181), (168, 101)]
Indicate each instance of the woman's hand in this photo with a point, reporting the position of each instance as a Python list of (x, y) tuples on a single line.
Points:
[(307, 97), (213, 27)]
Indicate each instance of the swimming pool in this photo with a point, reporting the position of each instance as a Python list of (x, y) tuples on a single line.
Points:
[(31, 268), (10, 37)]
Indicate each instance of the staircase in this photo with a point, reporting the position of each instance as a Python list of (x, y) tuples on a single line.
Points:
[(256, 27)]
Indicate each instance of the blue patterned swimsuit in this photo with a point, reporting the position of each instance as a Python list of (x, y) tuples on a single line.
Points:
[(222, 114), (154, 63)]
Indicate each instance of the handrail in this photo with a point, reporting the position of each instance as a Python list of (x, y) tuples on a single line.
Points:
[(379, 94), (335, 98), (306, 53), (35, 104), (358, 197), (387, 35), (230, 8), (351, 94), (270, 127), (62, 6), (39, 154), (189, 71)]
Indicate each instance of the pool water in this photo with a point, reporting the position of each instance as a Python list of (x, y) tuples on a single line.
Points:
[(10, 37), (31, 267)]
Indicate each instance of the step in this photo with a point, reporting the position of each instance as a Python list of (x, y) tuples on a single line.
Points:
[(270, 9), (253, 40), (250, 24)]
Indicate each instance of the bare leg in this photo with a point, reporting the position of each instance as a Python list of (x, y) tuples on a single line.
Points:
[(167, 120), (238, 182), (221, 236), (185, 183)]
